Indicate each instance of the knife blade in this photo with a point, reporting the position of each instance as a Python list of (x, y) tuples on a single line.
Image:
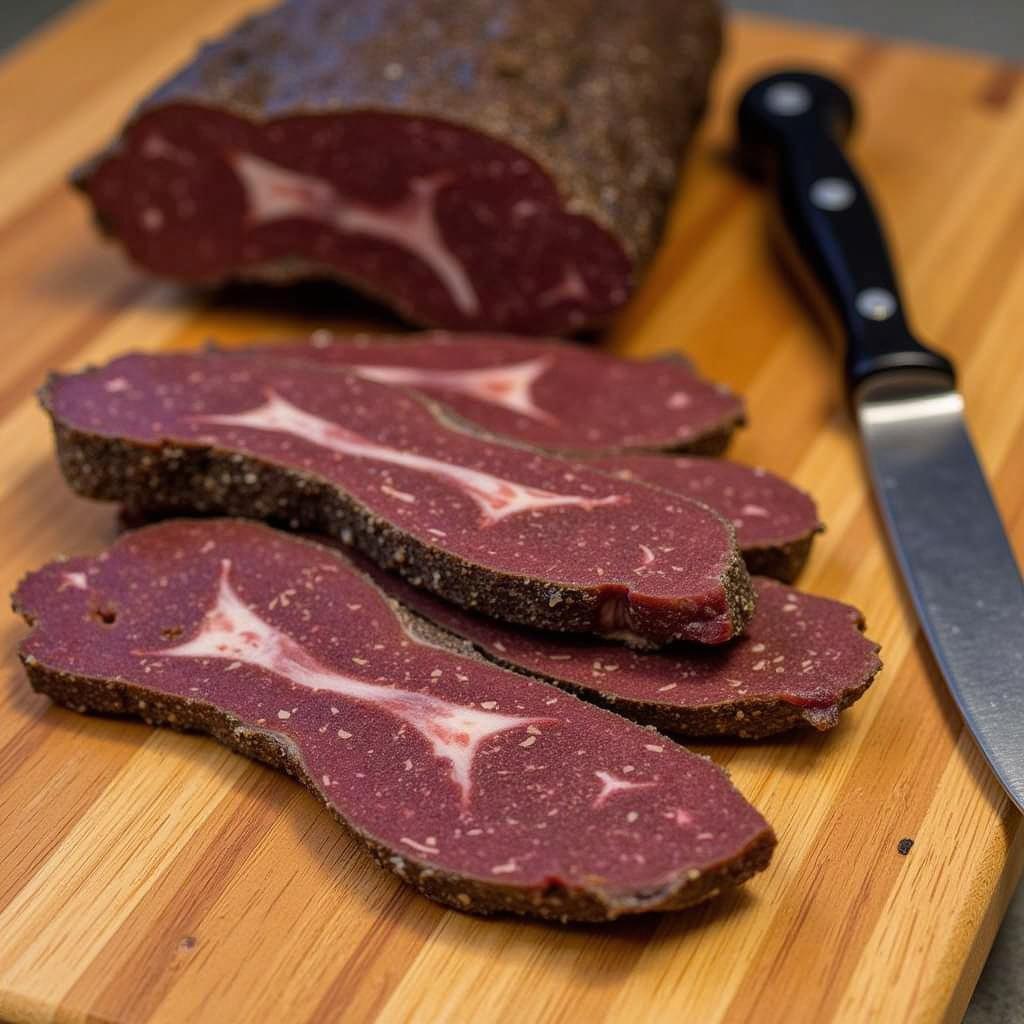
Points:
[(942, 522)]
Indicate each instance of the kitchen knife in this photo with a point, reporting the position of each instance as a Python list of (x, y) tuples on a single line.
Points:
[(943, 525)]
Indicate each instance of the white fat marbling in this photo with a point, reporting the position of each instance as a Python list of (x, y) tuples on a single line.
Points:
[(496, 497), (571, 287), (509, 387), (611, 784), (233, 632), (274, 193)]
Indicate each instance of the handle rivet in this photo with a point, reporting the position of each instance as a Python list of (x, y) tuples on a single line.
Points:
[(787, 99), (832, 194), (875, 303)]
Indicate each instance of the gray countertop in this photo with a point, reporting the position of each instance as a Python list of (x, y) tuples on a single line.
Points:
[(994, 26)]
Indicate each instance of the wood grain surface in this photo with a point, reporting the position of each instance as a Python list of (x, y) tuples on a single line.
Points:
[(146, 876)]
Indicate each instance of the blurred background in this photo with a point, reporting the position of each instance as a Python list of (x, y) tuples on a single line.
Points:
[(992, 26), (995, 26)]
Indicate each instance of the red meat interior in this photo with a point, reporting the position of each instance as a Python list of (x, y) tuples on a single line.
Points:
[(448, 225)]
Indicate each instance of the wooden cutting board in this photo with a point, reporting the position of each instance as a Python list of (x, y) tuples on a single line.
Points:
[(148, 876)]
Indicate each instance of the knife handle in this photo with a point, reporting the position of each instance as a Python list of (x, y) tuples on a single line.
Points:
[(792, 126)]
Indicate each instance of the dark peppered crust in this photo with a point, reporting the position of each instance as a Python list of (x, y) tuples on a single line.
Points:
[(155, 481), (783, 561), (739, 592), (712, 443), (553, 902), (746, 719), (604, 94)]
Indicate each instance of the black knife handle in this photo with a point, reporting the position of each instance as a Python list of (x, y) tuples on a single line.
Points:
[(792, 125)]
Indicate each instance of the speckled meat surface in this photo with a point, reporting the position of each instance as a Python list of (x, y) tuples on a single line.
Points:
[(801, 661), (484, 789), (501, 164), (549, 394), (775, 521), (518, 535)]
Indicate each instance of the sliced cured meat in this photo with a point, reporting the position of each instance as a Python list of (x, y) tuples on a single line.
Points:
[(502, 164), (518, 535), (483, 789), (802, 660), (549, 394), (775, 521)]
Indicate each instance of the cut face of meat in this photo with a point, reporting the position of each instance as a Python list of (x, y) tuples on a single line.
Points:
[(273, 193), (509, 387), (203, 196), (553, 395), (500, 164), (775, 521), (516, 534), (484, 789), (801, 661), (232, 631), (497, 498)]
